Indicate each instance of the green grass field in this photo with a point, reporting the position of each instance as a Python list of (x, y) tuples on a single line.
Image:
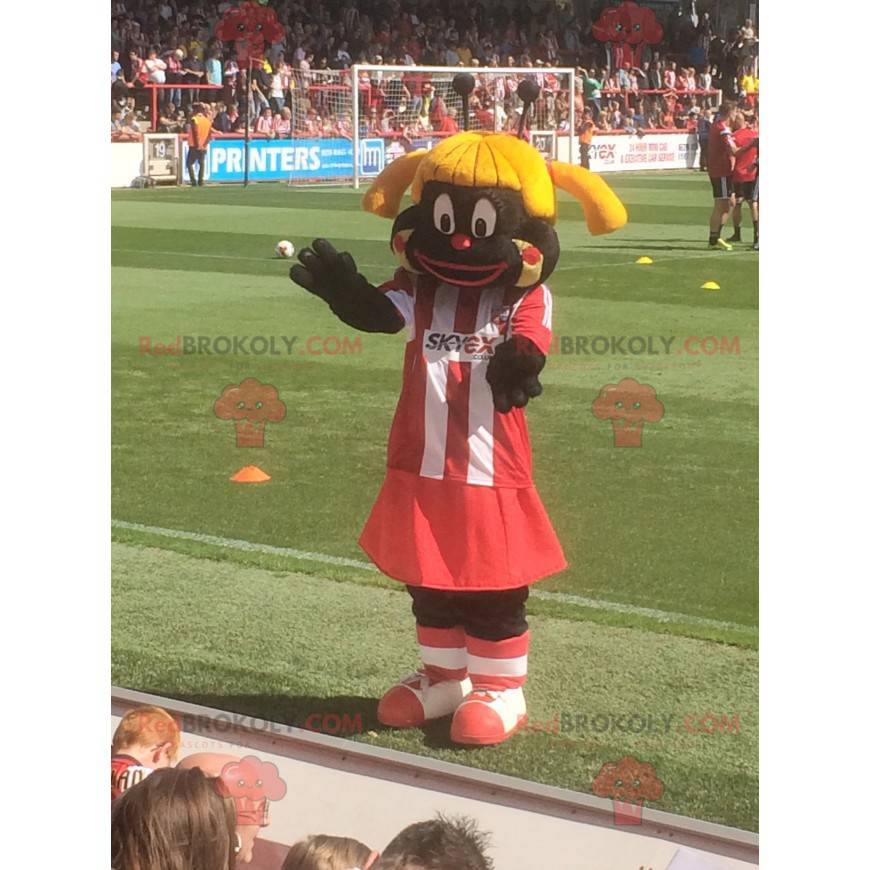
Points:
[(655, 617)]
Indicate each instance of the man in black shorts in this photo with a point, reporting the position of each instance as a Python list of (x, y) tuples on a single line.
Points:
[(745, 175)]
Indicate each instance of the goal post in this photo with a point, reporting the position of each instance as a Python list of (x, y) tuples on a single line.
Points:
[(346, 125), (396, 109)]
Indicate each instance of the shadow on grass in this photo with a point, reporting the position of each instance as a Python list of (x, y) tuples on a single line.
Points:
[(337, 715), (346, 716)]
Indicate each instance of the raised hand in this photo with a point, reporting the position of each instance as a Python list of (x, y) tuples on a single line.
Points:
[(333, 277), (513, 372)]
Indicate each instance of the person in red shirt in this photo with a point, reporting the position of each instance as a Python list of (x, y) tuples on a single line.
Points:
[(745, 176), (448, 123), (721, 152)]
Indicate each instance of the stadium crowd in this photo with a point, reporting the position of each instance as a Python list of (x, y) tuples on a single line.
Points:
[(202, 812), (173, 43)]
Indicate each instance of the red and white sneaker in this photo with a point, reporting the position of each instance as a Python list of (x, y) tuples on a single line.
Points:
[(488, 716), (419, 698)]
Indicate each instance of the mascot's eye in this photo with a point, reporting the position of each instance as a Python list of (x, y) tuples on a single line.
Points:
[(483, 219), (443, 214), (241, 28), (637, 27)]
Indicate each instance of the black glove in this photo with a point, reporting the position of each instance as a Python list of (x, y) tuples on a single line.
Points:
[(334, 278), (513, 373)]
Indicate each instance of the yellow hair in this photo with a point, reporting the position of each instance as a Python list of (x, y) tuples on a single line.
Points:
[(497, 160)]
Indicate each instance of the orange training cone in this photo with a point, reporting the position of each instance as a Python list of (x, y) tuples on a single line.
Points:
[(250, 474)]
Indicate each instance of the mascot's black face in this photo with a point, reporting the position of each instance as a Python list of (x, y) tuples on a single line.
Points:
[(475, 237)]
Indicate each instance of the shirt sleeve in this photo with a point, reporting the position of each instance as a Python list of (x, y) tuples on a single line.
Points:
[(532, 317), (400, 291)]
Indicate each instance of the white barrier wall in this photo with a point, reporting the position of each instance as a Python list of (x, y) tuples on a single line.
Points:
[(127, 162)]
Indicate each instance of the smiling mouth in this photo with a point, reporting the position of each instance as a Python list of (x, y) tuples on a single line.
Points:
[(454, 273)]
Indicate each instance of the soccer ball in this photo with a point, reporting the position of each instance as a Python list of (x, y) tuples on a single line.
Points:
[(285, 250)]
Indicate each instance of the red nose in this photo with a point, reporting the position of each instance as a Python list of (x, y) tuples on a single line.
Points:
[(460, 242)]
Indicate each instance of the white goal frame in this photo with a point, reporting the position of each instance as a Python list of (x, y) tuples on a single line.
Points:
[(532, 72)]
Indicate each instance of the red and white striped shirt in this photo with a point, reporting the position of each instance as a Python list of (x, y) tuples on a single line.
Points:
[(446, 426)]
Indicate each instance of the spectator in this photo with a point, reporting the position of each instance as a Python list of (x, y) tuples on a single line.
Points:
[(173, 59), (265, 125), (615, 115), (440, 844), (749, 86), (448, 122), (147, 738), (623, 79), (130, 128), (669, 78), (229, 120), (587, 132), (231, 75), (329, 853), (155, 68), (117, 70), (193, 71), (251, 814), (174, 819), (342, 56), (168, 119), (591, 90), (283, 125), (213, 70)]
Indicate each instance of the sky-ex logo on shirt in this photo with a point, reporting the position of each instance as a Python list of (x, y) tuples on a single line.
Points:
[(459, 346)]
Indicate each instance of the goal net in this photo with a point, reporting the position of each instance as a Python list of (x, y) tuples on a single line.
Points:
[(358, 120)]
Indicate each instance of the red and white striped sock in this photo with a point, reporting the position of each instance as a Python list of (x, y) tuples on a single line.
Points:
[(498, 664), (443, 652)]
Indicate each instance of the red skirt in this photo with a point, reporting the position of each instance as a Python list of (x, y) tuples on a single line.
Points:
[(450, 535)]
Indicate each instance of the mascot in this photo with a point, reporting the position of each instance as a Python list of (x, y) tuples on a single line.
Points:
[(458, 518)]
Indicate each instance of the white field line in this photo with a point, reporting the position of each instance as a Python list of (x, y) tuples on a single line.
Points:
[(700, 255), (221, 256), (325, 559)]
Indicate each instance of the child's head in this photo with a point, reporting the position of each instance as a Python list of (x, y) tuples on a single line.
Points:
[(439, 844), (174, 818), (329, 853), (148, 734)]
